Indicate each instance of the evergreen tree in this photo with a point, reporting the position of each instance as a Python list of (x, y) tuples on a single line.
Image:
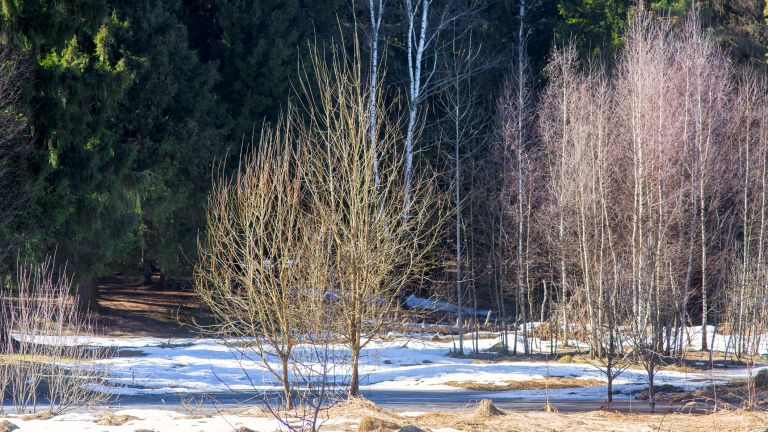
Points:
[(595, 25), (257, 45), (84, 209), (172, 118)]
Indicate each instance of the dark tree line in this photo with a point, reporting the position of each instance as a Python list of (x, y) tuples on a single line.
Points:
[(128, 104)]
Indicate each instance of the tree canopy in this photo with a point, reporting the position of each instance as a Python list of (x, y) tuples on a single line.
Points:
[(129, 104)]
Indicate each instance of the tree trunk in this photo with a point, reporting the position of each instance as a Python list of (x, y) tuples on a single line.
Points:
[(287, 393), (704, 305), (651, 390), (7, 343), (354, 382), (457, 179), (610, 385), (88, 294)]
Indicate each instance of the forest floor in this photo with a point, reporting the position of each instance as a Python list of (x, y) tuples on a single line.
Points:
[(129, 307)]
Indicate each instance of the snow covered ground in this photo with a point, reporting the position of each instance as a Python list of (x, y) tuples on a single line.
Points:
[(150, 366), (155, 367), (147, 420)]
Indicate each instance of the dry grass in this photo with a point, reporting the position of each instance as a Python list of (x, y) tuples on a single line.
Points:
[(761, 379), (732, 395), (603, 421), (6, 359), (110, 419), (486, 408), (693, 361), (613, 422), (41, 415), (373, 424), (6, 426), (536, 384)]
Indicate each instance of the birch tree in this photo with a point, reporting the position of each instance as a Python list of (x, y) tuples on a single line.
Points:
[(376, 14), (426, 23), (515, 154), (554, 132)]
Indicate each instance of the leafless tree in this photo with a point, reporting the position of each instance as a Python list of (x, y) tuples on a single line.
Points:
[(554, 132), (460, 128), (42, 365), (427, 22), (373, 251), (258, 269), (635, 181)]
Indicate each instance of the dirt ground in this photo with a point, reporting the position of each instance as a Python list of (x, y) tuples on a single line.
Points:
[(128, 307)]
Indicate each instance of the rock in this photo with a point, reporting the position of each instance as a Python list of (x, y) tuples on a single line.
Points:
[(6, 426), (244, 429)]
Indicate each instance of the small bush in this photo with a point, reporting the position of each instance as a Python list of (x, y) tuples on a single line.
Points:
[(40, 363), (761, 379)]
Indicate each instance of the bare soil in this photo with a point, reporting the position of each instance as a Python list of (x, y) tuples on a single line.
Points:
[(128, 307)]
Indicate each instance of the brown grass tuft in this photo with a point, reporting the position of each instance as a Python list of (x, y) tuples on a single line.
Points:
[(536, 384), (373, 424), (359, 404), (109, 419), (42, 415), (486, 408)]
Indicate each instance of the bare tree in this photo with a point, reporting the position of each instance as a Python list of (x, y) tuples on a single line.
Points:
[(256, 271), (462, 127), (635, 180), (514, 201), (376, 13), (43, 366), (707, 86), (554, 132), (373, 251)]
